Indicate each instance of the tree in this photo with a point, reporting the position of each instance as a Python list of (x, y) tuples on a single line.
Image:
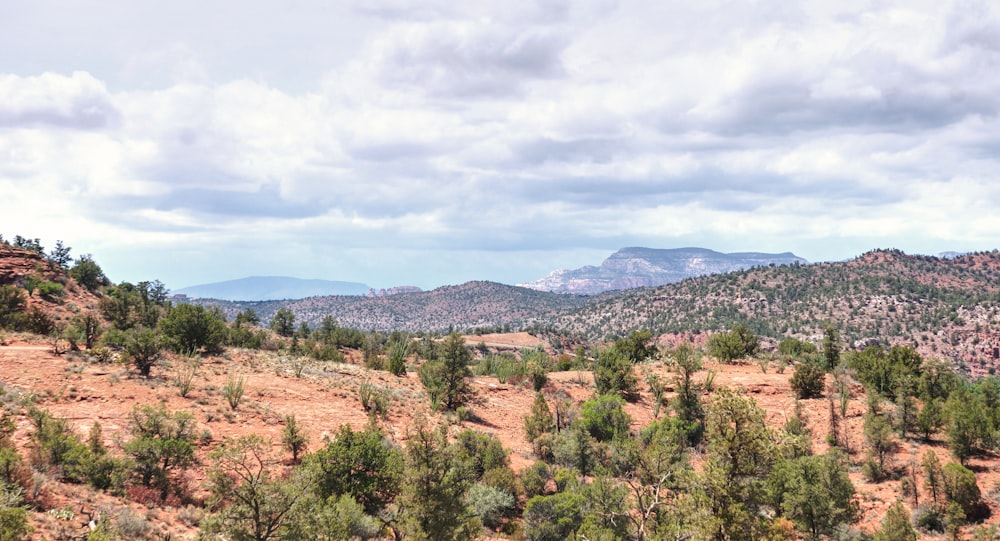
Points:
[(738, 343), (831, 347), (654, 468), (283, 322), (741, 452), (143, 346), (190, 328), (964, 423), (60, 254), (433, 488), (256, 504), (446, 377), (814, 492), (163, 443), (637, 347), (88, 273), (363, 465), (687, 403), (294, 438), (246, 317), (896, 525), (933, 476), (613, 374), (881, 445), (540, 420)]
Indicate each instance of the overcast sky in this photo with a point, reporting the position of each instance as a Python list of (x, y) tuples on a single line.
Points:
[(400, 142)]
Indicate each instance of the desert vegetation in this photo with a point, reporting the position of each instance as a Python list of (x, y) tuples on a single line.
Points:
[(125, 415)]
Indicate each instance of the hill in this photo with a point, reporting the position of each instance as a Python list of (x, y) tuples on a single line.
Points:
[(645, 267), (262, 288), (944, 307), (465, 306)]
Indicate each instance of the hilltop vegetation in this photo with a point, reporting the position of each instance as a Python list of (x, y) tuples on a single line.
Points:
[(466, 306)]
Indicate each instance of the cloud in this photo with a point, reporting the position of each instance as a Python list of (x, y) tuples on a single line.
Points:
[(466, 59), (502, 131), (78, 101)]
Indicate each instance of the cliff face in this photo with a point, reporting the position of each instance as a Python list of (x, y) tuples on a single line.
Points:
[(645, 267)]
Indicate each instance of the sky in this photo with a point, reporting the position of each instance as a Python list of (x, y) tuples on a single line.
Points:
[(427, 143)]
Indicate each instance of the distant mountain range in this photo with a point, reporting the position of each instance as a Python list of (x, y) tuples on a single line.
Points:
[(263, 288), (648, 267)]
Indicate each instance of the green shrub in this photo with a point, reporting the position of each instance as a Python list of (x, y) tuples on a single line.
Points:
[(50, 291), (12, 304), (189, 328), (233, 390), (490, 504), (38, 322), (738, 343), (604, 419), (361, 464), (534, 478), (143, 346), (613, 374), (374, 399), (553, 518), (808, 381)]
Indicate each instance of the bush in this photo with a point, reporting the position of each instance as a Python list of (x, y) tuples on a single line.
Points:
[(927, 518), (604, 419), (143, 346), (959, 485), (613, 374), (808, 381), (38, 322), (374, 400), (12, 304), (534, 478), (738, 343), (362, 464), (553, 518), (479, 452), (50, 291), (233, 390), (490, 504)]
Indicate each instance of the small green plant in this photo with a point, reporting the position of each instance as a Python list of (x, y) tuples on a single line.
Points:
[(374, 400), (658, 389), (709, 381), (808, 380), (398, 350), (233, 390), (184, 376), (294, 438)]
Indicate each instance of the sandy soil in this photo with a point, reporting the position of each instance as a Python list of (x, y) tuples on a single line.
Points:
[(326, 396)]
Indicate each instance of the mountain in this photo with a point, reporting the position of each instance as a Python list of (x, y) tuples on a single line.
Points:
[(262, 288), (647, 267)]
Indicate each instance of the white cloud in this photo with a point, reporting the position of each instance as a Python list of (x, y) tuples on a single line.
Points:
[(497, 131)]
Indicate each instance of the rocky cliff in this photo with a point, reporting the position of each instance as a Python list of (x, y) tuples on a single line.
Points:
[(644, 267)]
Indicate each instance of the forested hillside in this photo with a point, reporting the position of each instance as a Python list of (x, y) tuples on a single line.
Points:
[(944, 307)]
